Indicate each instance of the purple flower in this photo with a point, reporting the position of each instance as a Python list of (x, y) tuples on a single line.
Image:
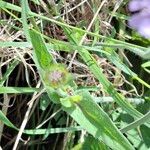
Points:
[(137, 5), (140, 20)]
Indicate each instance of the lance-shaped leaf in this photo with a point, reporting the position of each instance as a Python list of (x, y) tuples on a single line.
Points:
[(53, 75), (92, 118)]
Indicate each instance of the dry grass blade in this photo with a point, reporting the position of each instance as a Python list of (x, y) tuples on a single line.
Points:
[(26, 117)]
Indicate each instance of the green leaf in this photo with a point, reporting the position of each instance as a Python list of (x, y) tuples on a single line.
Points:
[(137, 123), (8, 72), (136, 140), (93, 144), (18, 90), (92, 118), (146, 65), (53, 75), (145, 132), (51, 130), (24, 13), (44, 102), (4, 119), (43, 58)]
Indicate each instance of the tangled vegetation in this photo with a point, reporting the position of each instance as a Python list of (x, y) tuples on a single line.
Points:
[(73, 76)]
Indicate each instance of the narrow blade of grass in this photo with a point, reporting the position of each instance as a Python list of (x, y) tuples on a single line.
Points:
[(18, 90), (8, 72)]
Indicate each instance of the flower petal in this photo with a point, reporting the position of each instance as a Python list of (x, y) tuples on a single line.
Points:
[(145, 29), (141, 22), (137, 5)]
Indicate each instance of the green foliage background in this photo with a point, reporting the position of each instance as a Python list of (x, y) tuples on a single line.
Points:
[(121, 123)]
